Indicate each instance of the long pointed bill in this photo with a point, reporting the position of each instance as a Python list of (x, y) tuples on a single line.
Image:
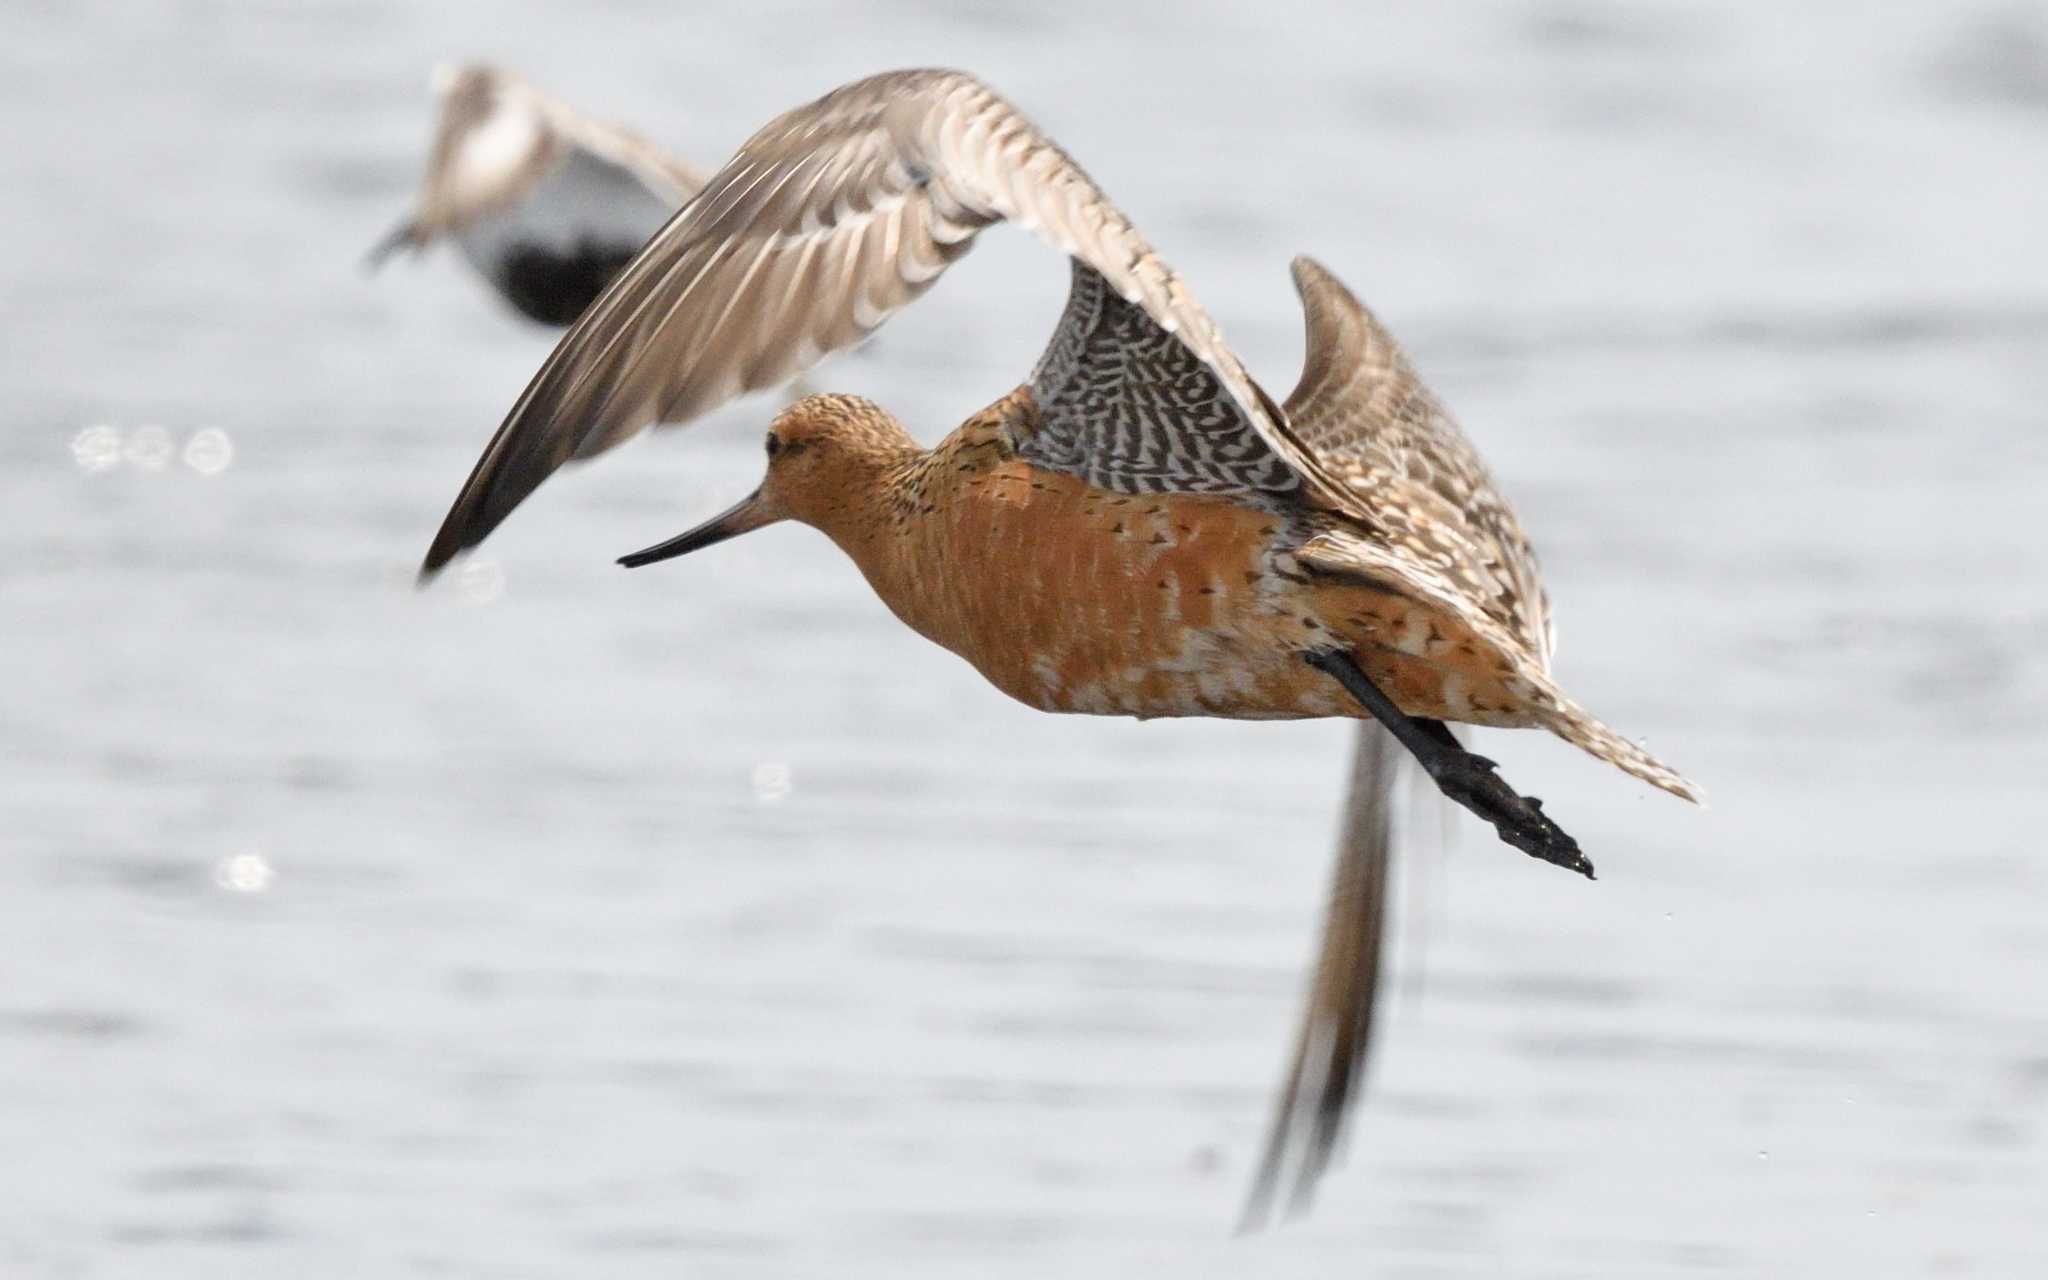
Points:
[(750, 514), (403, 236)]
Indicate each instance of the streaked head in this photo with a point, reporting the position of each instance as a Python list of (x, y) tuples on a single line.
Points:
[(827, 457)]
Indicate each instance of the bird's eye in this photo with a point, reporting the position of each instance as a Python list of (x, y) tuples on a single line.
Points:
[(774, 444)]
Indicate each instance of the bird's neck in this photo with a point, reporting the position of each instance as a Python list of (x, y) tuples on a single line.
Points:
[(901, 531)]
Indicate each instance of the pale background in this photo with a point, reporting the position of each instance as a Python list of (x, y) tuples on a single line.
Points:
[(349, 931)]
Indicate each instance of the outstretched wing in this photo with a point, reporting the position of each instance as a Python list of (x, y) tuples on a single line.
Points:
[(1336, 1028), (826, 222), (1411, 473)]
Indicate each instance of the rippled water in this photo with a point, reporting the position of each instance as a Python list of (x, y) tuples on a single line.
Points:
[(703, 921)]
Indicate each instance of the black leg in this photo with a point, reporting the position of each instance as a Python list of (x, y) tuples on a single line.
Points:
[(1466, 778)]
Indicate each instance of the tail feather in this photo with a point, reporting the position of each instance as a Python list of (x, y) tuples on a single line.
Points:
[(1572, 722)]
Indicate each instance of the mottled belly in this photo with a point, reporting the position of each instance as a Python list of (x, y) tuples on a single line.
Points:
[(1208, 673), (1252, 668)]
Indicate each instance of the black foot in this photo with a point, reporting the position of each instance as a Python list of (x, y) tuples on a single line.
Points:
[(1471, 781), (1466, 778)]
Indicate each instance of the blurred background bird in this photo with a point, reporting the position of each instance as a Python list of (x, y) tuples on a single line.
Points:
[(545, 202)]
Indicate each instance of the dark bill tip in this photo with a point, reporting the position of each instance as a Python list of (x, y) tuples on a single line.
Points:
[(746, 516)]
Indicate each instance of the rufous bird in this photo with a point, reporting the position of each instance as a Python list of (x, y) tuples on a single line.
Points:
[(1139, 529)]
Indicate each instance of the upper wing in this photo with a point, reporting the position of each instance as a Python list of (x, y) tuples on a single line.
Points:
[(825, 223), (1336, 1028), (1411, 472), (668, 178)]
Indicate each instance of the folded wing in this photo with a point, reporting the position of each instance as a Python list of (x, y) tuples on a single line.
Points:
[(1440, 526)]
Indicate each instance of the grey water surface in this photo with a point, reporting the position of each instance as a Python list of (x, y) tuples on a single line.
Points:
[(702, 921)]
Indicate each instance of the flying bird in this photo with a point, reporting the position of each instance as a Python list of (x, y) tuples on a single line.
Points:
[(546, 203), (1138, 529)]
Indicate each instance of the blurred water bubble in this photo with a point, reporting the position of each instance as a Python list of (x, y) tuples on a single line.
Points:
[(480, 581), (209, 451), (772, 781), (149, 448), (97, 448), (244, 873)]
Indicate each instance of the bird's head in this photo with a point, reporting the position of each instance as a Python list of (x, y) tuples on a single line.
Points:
[(826, 457)]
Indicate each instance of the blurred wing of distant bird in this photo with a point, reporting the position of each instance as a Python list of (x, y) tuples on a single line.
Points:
[(830, 219), (1336, 1027), (546, 203)]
